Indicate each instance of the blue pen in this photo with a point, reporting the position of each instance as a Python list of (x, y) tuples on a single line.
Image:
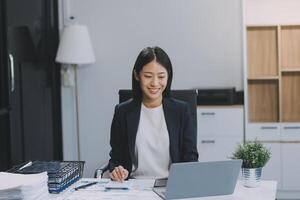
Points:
[(116, 188), (85, 186)]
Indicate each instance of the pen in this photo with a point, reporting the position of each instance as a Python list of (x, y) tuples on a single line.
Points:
[(26, 165), (85, 186), (116, 188)]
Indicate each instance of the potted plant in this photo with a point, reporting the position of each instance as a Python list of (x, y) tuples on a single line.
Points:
[(254, 155)]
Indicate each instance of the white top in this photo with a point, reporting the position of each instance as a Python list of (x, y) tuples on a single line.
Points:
[(152, 145)]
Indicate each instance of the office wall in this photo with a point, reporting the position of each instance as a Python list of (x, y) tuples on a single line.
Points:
[(272, 12), (203, 39)]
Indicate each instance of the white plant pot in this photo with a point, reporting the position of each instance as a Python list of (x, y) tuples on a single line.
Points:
[(251, 176)]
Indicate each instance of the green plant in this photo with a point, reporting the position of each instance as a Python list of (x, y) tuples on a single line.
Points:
[(254, 154)]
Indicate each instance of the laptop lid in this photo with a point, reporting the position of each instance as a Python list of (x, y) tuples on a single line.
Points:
[(199, 179)]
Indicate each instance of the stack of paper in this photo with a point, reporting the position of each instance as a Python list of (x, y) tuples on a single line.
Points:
[(26, 187), (60, 174)]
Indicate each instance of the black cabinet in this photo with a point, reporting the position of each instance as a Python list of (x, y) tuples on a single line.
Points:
[(30, 108)]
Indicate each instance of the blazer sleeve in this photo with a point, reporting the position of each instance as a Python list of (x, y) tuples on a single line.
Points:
[(118, 142), (189, 143)]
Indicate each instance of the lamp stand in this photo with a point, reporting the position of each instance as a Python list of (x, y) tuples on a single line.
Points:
[(74, 66)]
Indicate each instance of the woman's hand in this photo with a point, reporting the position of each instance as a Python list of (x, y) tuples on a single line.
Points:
[(119, 174)]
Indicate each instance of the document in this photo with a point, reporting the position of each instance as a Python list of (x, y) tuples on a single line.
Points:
[(135, 189), (114, 185), (112, 195)]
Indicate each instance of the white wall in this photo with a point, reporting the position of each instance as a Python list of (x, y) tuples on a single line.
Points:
[(272, 12), (202, 37)]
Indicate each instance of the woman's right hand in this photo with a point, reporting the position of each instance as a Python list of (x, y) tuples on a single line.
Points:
[(119, 174)]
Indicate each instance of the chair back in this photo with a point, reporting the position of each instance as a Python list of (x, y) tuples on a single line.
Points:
[(189, 96)]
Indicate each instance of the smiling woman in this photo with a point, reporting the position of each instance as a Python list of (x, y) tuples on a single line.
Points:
[(152, 130), (153, 80), (152, 72)]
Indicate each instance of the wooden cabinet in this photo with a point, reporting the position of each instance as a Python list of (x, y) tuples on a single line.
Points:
[(273, 73), (272, 94), (290, 82), (290, 47), (220, 129), (263, 74), (262, 52), (263, 100)]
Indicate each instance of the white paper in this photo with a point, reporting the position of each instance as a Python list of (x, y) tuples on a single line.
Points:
[(113, 195), (138, 189), (118, 185), (9, 180), (24, 186)]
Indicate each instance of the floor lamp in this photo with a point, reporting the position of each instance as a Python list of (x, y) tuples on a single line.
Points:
[(75, 48)]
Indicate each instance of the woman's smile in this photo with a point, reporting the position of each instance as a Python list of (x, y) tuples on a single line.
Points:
[(153, 90)]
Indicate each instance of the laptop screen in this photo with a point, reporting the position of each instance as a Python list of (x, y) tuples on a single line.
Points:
[(199, 179)]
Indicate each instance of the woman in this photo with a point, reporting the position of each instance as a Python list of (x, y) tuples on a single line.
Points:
[(153, 129)]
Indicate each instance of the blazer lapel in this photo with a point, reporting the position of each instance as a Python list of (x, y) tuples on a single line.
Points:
[(133, 119), (172, 125)]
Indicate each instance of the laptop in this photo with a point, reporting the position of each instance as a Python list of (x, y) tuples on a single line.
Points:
[(200, 179)]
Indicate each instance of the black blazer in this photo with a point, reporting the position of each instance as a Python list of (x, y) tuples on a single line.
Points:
[(182, 132)]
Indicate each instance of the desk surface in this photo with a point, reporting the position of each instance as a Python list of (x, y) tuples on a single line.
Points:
[(142, 190)]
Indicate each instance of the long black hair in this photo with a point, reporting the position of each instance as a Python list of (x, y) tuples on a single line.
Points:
[(146, 56)]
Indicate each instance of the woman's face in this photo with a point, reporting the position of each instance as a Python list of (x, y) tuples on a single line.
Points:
[(153, 81)]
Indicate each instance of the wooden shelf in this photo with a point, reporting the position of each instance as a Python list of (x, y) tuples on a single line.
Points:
[(261, 25), (263, 101), (274, 73), (263, 78), (290, 46), (291, 97), (262, 51), (290, 70)]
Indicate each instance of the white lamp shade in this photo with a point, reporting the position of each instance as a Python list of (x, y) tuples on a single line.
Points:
[(75, 46)]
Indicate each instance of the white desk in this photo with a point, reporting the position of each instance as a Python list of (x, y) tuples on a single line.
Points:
[(142, 190)]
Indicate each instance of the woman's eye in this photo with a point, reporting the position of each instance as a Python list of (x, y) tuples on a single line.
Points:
[(147, 76), (161, 77)]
